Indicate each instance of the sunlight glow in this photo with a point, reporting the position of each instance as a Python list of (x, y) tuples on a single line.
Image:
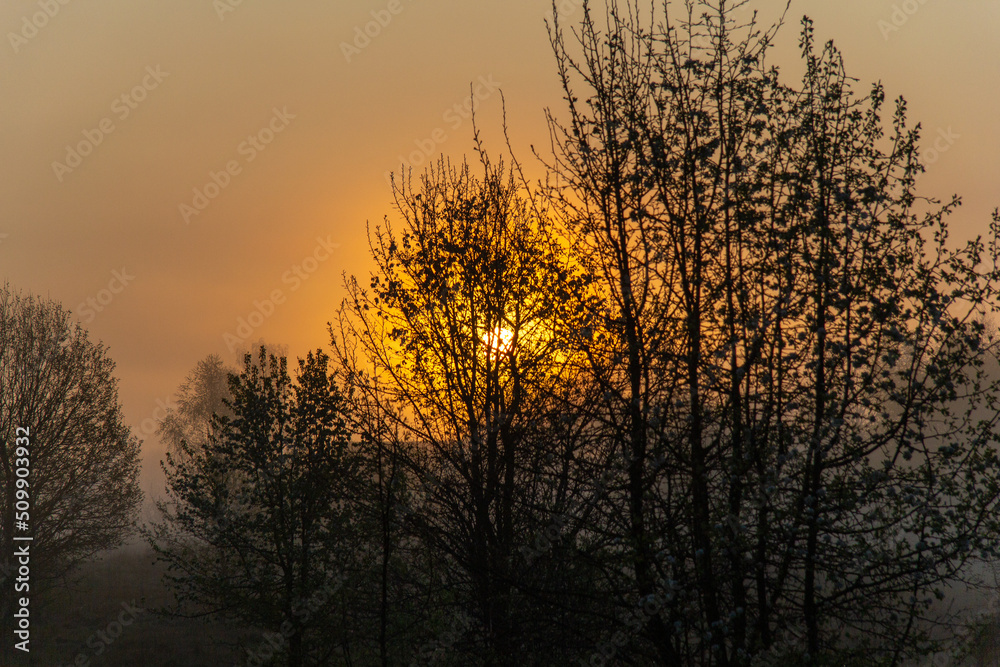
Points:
[(499, 340)]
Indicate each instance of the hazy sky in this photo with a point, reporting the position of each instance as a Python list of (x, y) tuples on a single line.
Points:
[(180, 164)]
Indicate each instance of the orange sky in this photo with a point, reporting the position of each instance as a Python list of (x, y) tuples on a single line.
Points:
[(259, 104)]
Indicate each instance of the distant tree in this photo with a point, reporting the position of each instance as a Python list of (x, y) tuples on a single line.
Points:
[(200, 397), (808, 436), (253, 348), (82, 460), (259, 523)]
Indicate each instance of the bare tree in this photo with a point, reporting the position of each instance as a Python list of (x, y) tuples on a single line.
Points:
[(58, 391)]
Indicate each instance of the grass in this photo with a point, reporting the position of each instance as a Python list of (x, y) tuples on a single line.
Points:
[(66, 625), (63, 624)]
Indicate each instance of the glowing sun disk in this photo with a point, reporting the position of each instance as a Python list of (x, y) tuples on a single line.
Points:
[(499, 339)]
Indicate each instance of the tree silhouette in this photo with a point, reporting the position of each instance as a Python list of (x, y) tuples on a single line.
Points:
[(259, 523), (798, 386), (468, 342), (83, 461)]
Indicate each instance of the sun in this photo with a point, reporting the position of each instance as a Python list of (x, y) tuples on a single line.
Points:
[(499, 340)]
